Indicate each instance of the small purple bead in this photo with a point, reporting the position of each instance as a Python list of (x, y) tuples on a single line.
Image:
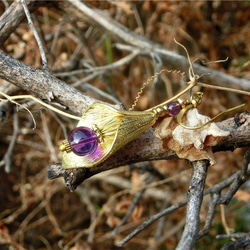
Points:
[(174, 108), (83, 141)]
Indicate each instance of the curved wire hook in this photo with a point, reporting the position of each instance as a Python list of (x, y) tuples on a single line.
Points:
[(184, 110)]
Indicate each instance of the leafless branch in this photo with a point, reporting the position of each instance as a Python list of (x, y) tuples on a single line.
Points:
[(210, 214), (214, 191), (133, 204), (238, 181), (151, 150), (39, 42), (195, 197), (151, 220), (42, 84), (7, 159), (170, 59), (238, 244), (13, 16)]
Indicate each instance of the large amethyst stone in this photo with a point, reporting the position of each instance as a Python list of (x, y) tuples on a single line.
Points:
[(174, 108), (83, 141)]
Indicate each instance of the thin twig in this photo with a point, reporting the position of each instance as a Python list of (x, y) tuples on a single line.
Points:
[(233, 235), (195, 197), (151, 220), (210, 214), (242, 243), (28, 218), (60, 123), (241, 178), (51, 216), (174, 230), (215, 189), (97, 91), (93, 213), (6, 4), (82, 39), (133, 205), (161, 223), (8, 155), (38, 40), (48, 140), (121, 62), (173, 60)]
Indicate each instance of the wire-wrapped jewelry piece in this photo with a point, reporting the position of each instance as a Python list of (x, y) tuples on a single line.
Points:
[(103, 130)]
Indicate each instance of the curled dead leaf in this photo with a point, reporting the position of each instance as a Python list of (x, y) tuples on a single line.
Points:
[(5, 237), (112, 220), (190, 144), (123, 206)]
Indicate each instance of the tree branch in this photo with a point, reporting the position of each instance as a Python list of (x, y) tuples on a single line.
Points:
[(13, 16), (172, 60), (147, 147), (238, 244), (214, 191), (42, 84)]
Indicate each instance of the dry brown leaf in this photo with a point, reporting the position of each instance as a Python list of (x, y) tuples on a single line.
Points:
[(190, 144), (137, 213), (5, 237), (81, 245), (136, 180), (125, 6), (112, 220), (123, 206)]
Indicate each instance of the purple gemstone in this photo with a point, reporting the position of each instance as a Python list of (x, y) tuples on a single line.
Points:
[(174, 108), (83, 141)]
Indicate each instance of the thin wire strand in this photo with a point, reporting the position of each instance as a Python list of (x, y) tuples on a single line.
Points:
[(183, 111), (12, 98), (237, 91), (143, 87)]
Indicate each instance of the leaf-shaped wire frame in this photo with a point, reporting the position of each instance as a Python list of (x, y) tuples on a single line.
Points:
[(117, 128)]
